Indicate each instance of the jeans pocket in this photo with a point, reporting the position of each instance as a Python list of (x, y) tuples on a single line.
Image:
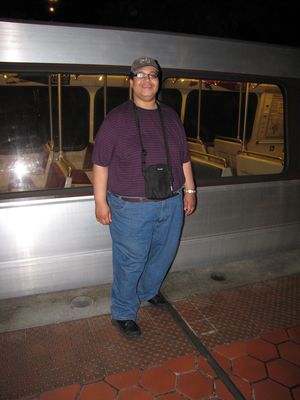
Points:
[(115, 202)]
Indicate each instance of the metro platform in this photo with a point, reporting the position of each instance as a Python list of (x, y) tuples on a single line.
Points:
[(236, 336)]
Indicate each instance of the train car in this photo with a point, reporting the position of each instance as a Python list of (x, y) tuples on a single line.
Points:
[(239, 103)]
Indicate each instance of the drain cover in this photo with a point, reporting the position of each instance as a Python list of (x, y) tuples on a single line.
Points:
[(218, 276), (81, 301)]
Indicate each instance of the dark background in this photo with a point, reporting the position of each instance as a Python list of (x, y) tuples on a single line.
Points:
[(257, 20)]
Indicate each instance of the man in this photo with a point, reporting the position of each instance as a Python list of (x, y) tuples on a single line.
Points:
[(145, 232)]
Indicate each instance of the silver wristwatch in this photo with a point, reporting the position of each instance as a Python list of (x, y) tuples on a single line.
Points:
[(190, 190)]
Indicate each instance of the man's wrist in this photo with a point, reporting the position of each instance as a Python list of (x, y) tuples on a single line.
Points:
[(192, 191)]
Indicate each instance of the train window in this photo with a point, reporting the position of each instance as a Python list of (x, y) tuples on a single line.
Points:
[(75, 108), (22, 124), (172, 97), (25, 116), (48, 124), (233, 128), (114, 97), (223, 104)]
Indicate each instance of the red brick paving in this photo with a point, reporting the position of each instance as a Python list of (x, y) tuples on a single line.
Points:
[(191, 377), (95, 359)]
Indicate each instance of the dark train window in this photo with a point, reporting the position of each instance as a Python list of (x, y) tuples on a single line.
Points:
[(25, 115), (219, 115), (172, 97), (115, 96), (75, 118)]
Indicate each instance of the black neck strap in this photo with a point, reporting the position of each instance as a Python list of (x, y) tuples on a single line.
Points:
[(138, 125)]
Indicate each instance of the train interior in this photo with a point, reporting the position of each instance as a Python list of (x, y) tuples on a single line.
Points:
[(233, 128), (230, 330)]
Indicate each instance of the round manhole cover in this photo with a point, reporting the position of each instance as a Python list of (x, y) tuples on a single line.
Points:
[(216, 276), (81, 301)]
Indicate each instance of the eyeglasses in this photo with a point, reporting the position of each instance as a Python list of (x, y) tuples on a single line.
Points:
[(143, 75)]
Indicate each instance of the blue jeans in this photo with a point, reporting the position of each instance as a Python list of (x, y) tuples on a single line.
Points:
[(145, 239)]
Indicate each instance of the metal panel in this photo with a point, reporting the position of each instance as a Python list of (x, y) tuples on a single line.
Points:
[(59, 44), (55, 244)]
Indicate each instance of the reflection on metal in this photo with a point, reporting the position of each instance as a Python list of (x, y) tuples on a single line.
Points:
[(231, 222)]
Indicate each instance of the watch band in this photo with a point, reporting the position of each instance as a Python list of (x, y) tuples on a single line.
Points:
[(190, 190)]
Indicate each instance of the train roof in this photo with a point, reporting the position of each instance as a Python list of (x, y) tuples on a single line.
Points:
[(78, 45)]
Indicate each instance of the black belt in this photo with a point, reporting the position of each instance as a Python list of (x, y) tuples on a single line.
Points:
[(139, 199)]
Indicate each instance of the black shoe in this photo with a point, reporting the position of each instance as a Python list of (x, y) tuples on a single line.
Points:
[(158, 300), (128, 327)]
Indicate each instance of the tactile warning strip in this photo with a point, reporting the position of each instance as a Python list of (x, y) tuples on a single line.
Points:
[(253, 332), (266, 368), (38, 359), (242, 313)]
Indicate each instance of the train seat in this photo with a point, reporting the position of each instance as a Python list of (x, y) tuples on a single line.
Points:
[(227, 148), (46, 155), (56, 177), (203, 169), (63, 174), (206, 165), (87, 162), (196, 145), (251, 163), (90, 175), (273, 147), (79, 177)]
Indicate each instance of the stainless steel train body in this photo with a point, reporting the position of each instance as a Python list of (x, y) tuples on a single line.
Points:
[(247, 205)]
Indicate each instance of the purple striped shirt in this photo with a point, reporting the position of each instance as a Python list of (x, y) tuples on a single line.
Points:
[(117, 146)]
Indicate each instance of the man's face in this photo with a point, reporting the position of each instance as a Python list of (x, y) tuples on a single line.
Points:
[(145, 88)]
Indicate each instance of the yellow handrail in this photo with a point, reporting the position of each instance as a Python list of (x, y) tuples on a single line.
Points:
[(263, 155)]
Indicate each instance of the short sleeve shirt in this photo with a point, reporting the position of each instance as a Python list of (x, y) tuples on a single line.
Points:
[(117, 146)]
